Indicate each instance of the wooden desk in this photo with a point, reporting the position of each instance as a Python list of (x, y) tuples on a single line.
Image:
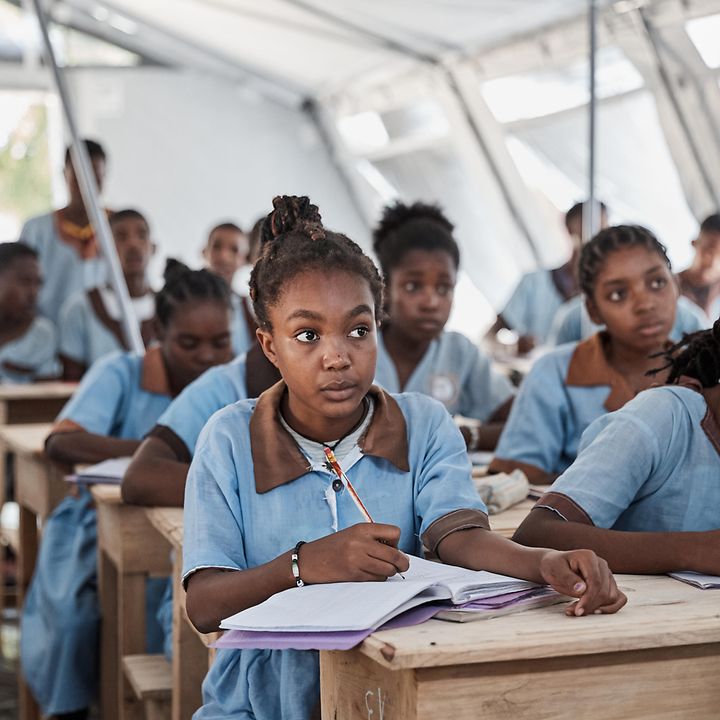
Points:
[(508, 521), (40, 486), (191, 656), (129, 550), (658, 658), (35, 402)]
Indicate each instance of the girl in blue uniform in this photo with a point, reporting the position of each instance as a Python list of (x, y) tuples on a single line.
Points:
[(625, 276), (28, 343), (258, 484), (118, 401), (644, 491), (419, 259)]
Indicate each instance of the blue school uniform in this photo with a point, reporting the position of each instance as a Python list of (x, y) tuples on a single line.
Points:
[(63, 270), (89, 329), (31, 356), (242, 333), (252, 495), (564, 392), (454, 372), (121, 396), (652, 466), (532, 306), (572, 322)]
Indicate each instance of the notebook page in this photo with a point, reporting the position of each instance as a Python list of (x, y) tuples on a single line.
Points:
[(706, 582), (112, 469), (335, 606)]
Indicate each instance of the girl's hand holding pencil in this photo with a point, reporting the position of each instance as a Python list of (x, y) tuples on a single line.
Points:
[(367, 551)]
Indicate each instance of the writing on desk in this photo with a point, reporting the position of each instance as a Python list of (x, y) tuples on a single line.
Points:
[(373, 701)]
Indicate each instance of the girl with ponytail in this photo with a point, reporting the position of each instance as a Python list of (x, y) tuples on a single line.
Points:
[(260, 484), (644, 491)]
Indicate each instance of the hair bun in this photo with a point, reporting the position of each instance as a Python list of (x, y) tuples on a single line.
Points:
[(398, 214), (174, 269), (293, 214)]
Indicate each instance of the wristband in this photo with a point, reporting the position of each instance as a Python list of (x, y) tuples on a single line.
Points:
[(295, 566), (474, 431)]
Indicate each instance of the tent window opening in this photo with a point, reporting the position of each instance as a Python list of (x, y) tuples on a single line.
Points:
[(703, 32)]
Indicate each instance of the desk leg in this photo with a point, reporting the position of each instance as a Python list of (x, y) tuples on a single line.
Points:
[(131, 634), (190, 656), (109, 653)]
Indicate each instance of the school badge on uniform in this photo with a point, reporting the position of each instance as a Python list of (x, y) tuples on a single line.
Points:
[(443, 388)]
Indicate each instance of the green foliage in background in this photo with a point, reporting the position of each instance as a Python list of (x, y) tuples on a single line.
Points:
[(25, 186)]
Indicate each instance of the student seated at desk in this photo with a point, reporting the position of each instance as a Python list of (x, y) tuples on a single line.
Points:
[(700, 283), (118, 401), (226, 252), (28, 342), (625, 275), (259, 483), (644, 492), (419, 259), (89, 323)]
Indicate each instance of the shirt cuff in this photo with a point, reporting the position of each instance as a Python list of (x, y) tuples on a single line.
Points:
[(186, 576), (452, 522), (565, 507), (173, 441)]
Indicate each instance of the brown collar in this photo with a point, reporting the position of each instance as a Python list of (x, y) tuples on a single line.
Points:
[(154, 373), (278, 460), (147, 327), (589, 367)]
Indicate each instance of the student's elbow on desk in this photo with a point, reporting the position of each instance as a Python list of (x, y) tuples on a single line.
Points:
[(199, 611), (60, 447)]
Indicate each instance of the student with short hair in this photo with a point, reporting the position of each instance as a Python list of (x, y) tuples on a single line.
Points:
[(28, 342), (644, 492), (628, 285), (65, 241), (118, 401), (90, 320), (226, 252), (259, 484), (700, 283), (419, 258), (539, 294)]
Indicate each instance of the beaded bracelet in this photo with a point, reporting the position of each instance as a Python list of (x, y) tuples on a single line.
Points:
[(295, 566)]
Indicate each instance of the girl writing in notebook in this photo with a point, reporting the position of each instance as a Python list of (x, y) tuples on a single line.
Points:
[(118, 401), (265, 511), (419, 258), (644, 491), (628, 285)]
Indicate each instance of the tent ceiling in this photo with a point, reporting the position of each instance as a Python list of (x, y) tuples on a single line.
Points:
[(314, 47)]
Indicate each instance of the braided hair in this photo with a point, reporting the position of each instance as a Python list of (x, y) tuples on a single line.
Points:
[(183, 285), (595, 252), (419, 226), (12, 251), (697, 356), (294, 241)]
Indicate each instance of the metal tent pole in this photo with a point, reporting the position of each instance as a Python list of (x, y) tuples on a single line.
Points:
[(90, 195), (591, 216)]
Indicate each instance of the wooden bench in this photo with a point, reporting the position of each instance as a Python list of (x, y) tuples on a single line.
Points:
[(150, 677), (130, 549), (657, 658), (191, 656)]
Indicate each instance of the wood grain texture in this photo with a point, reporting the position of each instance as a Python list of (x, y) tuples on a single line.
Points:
[(149, 675)]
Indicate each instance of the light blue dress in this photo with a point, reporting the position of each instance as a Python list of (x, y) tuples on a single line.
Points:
[(413, 472), (179, 427), (31, 356), (564, 392), (121, 396), (63, 270), (651, 467), (572, 322), (454, 372), (242, 338), (532, 306)]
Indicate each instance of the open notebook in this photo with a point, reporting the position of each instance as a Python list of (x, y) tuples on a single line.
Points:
[(342, 607), (704, 582), (108, 472)]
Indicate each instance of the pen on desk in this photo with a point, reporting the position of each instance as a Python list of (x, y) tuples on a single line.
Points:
[(335, 465)]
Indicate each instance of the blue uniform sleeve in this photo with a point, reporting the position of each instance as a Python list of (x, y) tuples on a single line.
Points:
[(567, 325), (98, 404), (445, 497), (535, 432), (619, 453), (484, 389), (213, 523), (514, 312), (73, 330), (46, 352)]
